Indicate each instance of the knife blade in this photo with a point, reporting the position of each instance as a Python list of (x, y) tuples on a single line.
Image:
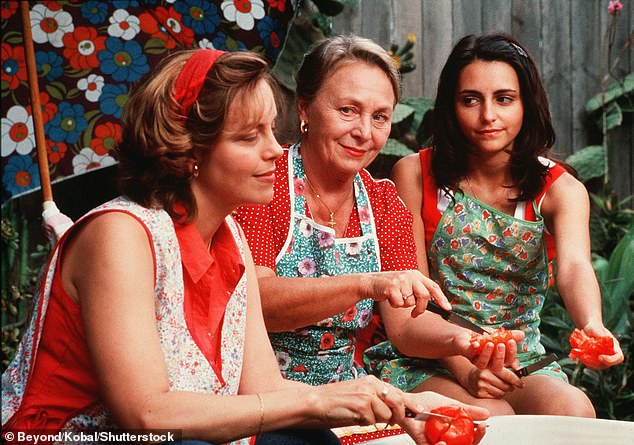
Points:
[(426, 415), (454, 318), (539, 364)]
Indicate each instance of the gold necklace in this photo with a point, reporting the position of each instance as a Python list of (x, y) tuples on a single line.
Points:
[(331, 222)]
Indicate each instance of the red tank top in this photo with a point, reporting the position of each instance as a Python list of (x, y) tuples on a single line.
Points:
[(62, 381)]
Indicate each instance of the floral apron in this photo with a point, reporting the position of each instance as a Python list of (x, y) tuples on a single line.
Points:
[(494, 270), (324, 352)]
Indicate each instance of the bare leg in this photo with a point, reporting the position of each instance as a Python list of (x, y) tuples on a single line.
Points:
[(449, 387), (547, 395)]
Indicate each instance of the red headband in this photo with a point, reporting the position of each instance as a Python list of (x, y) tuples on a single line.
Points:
[(192, 76)]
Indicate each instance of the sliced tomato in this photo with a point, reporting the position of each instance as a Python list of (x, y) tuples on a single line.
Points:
[(587, 348), (459, 431), (496, 337)]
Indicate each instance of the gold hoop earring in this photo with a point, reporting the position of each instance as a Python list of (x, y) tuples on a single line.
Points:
[(303, 127), (195, 170)]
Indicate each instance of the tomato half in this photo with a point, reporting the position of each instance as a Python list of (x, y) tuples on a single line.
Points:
[(496, 337), (588, 349), (459, 431)]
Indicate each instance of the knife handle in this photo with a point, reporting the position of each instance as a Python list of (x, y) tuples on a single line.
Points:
[(432, 306)]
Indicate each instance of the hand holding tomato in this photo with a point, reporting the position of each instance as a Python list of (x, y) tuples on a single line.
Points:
[(432, 401), (458, 431), (594, 351), (496, 349)]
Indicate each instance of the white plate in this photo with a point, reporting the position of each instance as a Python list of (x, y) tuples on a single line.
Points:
[(543, 430), (401, 439), (557, 430)]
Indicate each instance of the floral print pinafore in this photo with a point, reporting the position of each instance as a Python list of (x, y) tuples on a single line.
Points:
[(324, 352), (493, 268)]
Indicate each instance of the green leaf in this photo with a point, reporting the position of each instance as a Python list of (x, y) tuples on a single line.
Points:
[(402, 119), (301, 35), (613, 116), (600, 266), (394, 148), (612, 92), (401, 112), (329, 7), (154, 46), (74, 92), (589, 162), (54, 92), (556, 322), (619, 281), (422, 105), (550, 343), (626, 103)]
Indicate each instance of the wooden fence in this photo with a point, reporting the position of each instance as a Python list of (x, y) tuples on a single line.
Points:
[(567, 38)]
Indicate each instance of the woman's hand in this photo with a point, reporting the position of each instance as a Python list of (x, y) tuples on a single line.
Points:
[(407, 288), (491, 356), (489, 384), (426, 401), (363, 401), (598, 330), (368, 400)]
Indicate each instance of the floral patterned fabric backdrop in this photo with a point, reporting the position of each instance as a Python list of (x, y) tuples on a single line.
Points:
[(88, 55)]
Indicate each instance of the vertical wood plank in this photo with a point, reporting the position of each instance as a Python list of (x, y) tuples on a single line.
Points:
[(629, 124), (436, 42), (526, 23), (556, 66), (620, 139), (377, 21), (409, 20), (586, 35), (496, 15), (467, 18)]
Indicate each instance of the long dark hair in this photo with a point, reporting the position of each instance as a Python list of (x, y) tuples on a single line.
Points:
[(537, 136)]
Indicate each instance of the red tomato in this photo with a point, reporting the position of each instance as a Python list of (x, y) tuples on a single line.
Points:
[(588, 349), (496, 337), (459, 431)]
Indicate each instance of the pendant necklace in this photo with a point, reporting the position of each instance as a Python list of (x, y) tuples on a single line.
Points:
[(331, 222)]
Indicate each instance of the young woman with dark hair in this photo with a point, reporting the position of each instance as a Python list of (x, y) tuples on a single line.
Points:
[(489, 207)]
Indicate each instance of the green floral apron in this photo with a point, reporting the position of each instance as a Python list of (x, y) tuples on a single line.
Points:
[(324, 352), (494, 270)]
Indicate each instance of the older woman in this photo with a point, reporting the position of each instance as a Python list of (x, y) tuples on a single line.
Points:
[(334, 240), (150, 317)]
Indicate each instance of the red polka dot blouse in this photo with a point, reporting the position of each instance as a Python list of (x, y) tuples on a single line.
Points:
[(266, 226)]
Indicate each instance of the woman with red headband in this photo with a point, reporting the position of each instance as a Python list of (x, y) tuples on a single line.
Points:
[(149, 314)]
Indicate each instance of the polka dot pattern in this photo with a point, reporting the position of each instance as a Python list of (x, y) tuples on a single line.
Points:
[(266, 226)]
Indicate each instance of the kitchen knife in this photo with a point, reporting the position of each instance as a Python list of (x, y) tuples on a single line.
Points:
[(539, 364), (426, 415), (454, 318)]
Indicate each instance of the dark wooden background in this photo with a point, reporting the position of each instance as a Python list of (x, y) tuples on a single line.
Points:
[(567, 38)]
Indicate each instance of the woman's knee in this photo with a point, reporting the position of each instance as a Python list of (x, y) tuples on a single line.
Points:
[(547, 395), (573, 402), (496, 407)]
